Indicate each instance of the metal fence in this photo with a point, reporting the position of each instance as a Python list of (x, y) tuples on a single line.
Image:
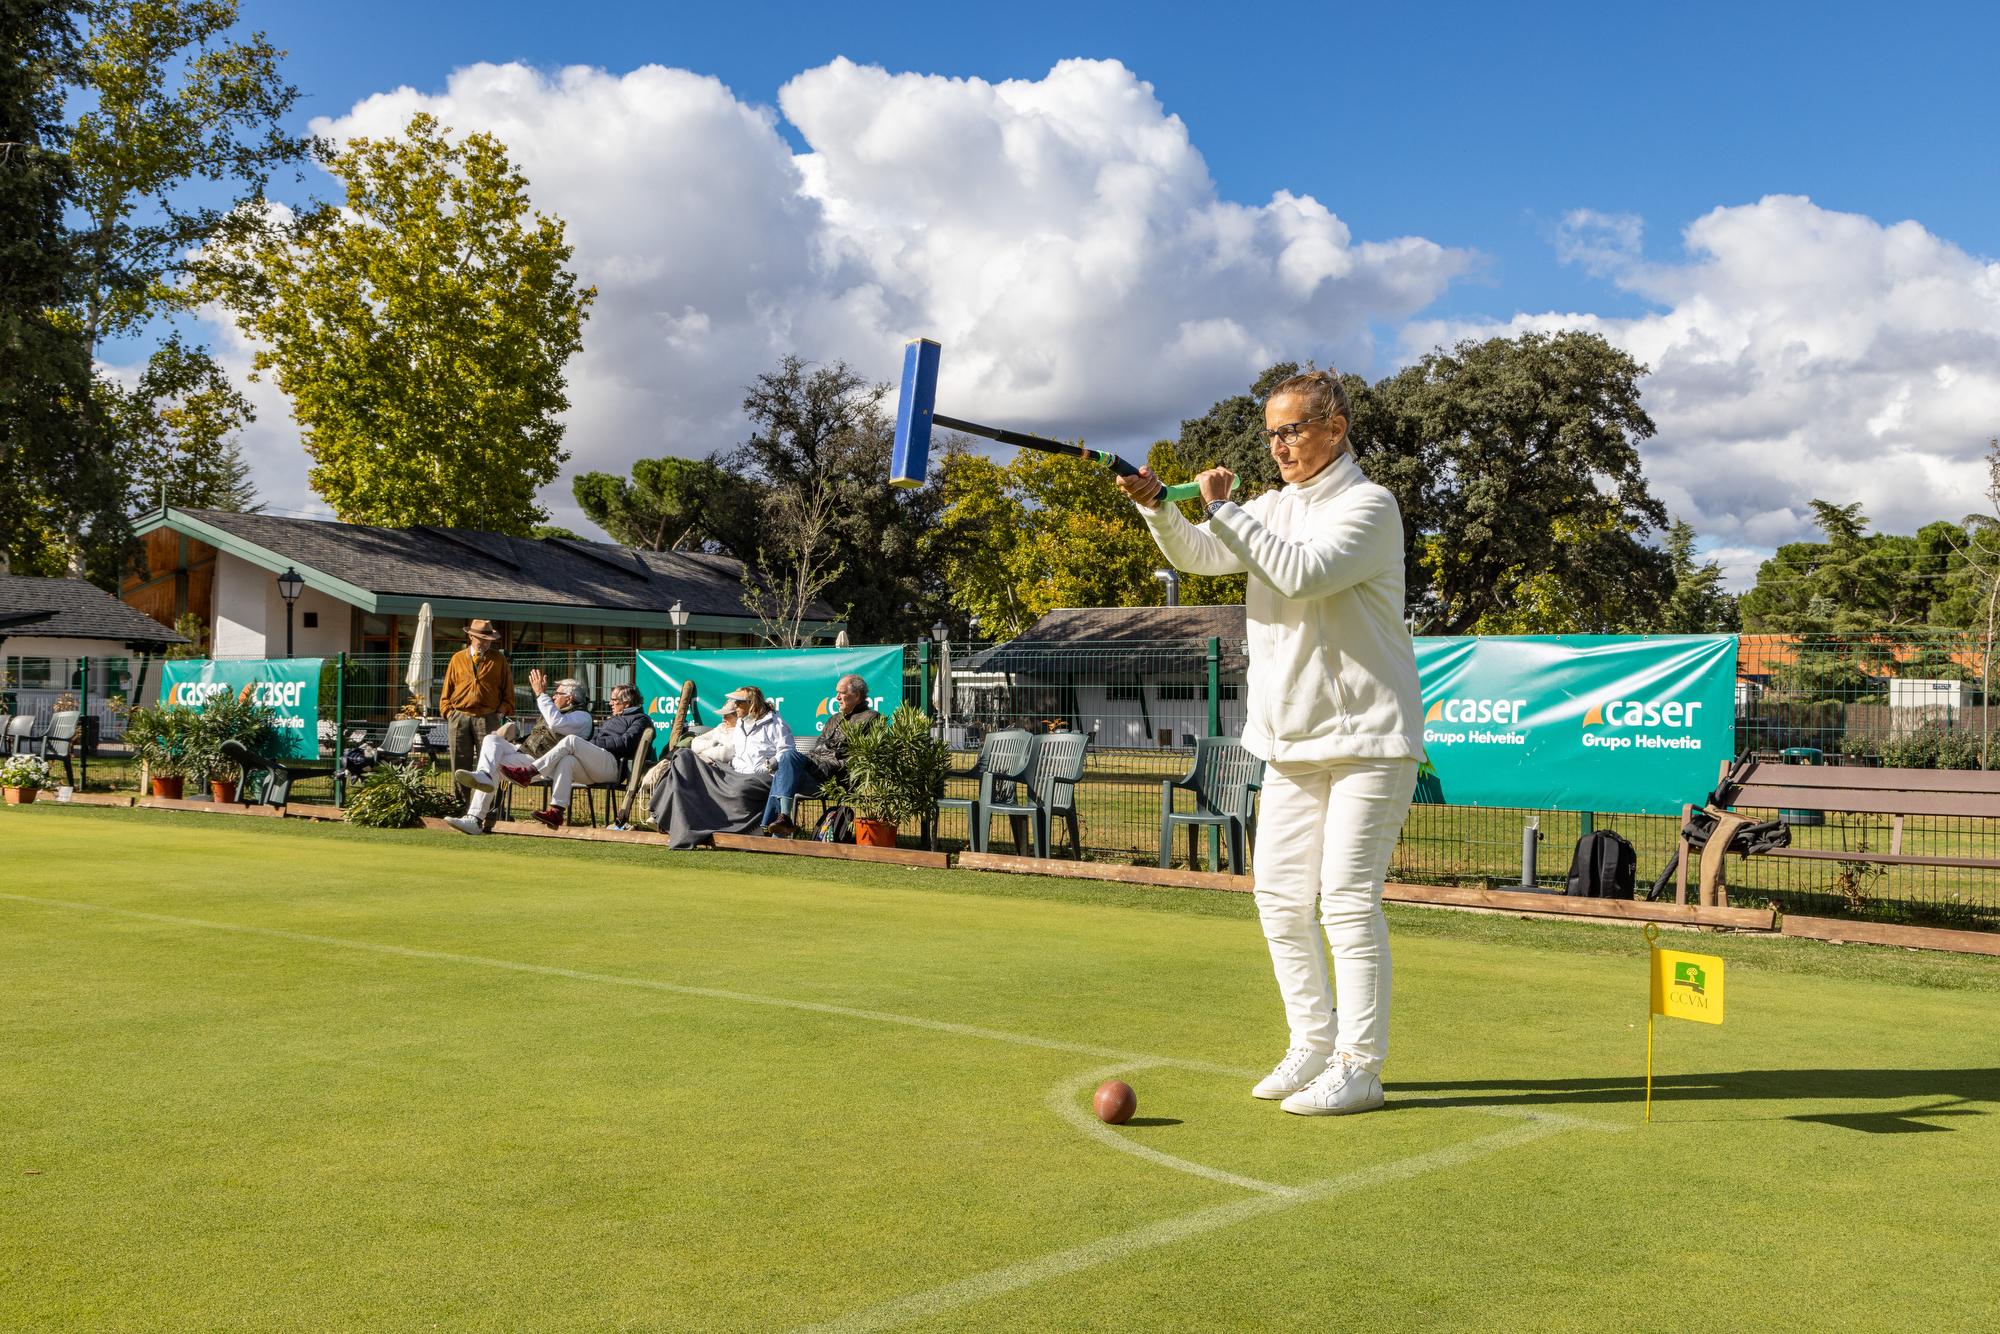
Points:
[(1910, 700)]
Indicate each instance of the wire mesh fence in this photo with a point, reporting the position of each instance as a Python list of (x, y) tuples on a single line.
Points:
[(1914, 700)]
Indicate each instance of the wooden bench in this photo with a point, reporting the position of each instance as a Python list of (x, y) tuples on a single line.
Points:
[(1899, 794)]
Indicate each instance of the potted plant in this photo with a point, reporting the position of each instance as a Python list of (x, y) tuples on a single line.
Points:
[(23, 776), (895, 771), (160, 739), (228, 718)]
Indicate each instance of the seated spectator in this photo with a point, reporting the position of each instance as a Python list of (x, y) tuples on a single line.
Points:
[(718, 744), (597, 760), (566, 714), (697, 799), (801, 773)]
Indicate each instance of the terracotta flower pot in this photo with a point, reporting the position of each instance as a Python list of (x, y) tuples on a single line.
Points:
[(22, 796), (875, 833), (167, 788), (222, 792)]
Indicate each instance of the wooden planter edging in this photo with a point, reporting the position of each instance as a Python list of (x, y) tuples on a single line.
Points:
[(94, 799), (1841, 931), (305, 810), (847, 852), (207, 807), (1560, 905), (1127, 875)]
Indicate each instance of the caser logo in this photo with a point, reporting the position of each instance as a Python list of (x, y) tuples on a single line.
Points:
[(1641, 713), (1613, 715), (1472, 720), (1499, 712)]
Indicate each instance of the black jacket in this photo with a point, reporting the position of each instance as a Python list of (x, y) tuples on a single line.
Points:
[(619, 733)]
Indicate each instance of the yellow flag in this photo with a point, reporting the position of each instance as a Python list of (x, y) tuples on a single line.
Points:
[(1687, 986)]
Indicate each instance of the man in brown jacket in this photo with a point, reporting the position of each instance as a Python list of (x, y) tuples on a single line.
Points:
[(478, 693)]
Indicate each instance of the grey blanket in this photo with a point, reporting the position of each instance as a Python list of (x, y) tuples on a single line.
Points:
[(695, 799)]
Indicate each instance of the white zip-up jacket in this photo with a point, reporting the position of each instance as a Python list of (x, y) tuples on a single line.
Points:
[(1333, 675)]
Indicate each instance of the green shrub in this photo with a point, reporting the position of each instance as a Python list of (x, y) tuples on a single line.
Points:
[(229, 717), (395, 796), (895, 770), (162, 738), (1933, 746)]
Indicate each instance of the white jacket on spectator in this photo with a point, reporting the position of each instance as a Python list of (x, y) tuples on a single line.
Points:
[(717, 745), (1333, 675), (574, 723), (760, 742)]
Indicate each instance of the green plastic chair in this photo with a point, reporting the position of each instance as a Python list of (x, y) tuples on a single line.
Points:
[(60, 741), (1224, 779), (1003, 761), (1049, 790)]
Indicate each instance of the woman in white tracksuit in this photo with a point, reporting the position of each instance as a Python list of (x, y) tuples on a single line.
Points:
[(1333, 710)]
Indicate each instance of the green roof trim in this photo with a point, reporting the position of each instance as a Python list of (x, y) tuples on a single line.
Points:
[(255, 555)]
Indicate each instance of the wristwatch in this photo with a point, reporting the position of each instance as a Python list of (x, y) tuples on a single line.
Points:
[(1215, 505)]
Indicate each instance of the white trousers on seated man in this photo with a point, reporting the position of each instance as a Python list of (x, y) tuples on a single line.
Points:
[(494, 751), (573, 758), (1325, 834)]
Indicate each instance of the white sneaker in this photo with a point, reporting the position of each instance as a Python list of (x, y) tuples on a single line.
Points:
[(464, 824), (1344, 1088), (1301, 1066), (474, 779)]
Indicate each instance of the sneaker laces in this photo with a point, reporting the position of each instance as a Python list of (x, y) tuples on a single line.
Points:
[(1295, 1058)]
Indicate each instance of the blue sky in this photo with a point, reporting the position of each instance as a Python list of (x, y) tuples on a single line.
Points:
[(1466, 170)]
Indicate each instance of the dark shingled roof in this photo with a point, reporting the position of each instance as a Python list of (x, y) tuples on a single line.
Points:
[(1152, 639), (73, 609), (474, 566)]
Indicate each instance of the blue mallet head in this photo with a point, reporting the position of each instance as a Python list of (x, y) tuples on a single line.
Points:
[(916, 403)]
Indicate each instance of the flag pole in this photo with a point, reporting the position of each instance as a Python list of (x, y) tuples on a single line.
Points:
[(1652, 964)]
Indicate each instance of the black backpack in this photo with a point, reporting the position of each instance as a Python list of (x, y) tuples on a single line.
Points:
[(836, 825), (1605, 867)]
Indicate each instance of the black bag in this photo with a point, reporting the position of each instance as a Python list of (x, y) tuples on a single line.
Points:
[(836, 825), (1604, 867)]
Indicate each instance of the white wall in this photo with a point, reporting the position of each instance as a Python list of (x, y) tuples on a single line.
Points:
[(250, 616), (64, 655)]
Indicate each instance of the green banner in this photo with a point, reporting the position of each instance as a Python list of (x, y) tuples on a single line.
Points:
[(1579, 722), (289, 687), (799, 682)]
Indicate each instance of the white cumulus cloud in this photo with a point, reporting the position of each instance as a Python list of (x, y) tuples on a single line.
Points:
[(1797, 353), (1062, 237)]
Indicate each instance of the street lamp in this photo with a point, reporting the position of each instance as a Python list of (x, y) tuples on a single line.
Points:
[(290, 585), (940, 631), (678, 615)]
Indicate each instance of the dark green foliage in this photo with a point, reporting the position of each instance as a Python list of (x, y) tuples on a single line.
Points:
[(669, 504), (395, 796), (812, 473), (60, 489), (1932, 745)]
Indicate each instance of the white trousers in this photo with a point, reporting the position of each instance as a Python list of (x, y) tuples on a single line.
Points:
[(1325, 834), (494, 751), (572, 758)]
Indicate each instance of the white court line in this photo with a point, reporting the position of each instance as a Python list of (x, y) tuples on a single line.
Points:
[(1062, 1101), (1270, 1198), (1168, 1231)]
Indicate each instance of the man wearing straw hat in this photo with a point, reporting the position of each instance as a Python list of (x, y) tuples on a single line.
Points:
[(477, 695)]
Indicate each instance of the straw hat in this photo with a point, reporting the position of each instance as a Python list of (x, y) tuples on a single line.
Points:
[(482, 630)]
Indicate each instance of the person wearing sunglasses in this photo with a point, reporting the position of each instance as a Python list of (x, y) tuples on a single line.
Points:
[(1333, 710)]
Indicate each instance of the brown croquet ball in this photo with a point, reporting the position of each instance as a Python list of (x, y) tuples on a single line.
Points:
[(1115, 1102)]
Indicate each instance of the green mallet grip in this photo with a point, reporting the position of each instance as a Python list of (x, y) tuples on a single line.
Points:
[(1192, 490)]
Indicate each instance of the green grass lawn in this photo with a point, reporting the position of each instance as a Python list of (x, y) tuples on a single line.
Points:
[(270, 1075)]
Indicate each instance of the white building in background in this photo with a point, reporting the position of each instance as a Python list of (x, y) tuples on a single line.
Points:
[(59, 636)]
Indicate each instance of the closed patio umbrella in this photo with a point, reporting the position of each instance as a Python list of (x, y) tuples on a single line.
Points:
[(418, 675)]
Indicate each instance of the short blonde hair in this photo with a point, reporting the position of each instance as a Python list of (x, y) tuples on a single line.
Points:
[(1325, 395)]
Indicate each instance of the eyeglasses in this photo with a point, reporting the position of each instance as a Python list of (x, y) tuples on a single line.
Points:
[(1290, 432)]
